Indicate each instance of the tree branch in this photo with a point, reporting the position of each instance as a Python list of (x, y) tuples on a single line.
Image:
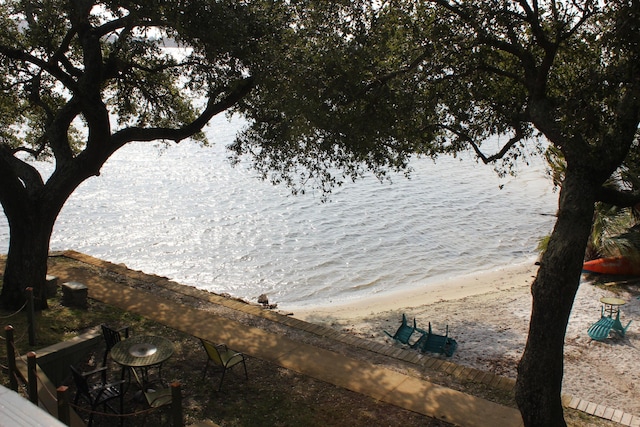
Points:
[(59, 54), (30, 177), (379, 81), (20, 55), (618, 198), (499, 72), (124, 136), (476, 148)]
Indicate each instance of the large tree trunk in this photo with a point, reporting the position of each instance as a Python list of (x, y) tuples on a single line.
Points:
[(26, 264), (539, 384)]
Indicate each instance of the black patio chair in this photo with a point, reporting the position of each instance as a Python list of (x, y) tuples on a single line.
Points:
[(97, 393), (111, 338)]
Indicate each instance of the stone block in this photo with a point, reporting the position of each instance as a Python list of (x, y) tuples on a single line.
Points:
[(74, 294), (51, 286)]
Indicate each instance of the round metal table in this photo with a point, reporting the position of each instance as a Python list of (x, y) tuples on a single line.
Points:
[(612, 305), (142, 351)]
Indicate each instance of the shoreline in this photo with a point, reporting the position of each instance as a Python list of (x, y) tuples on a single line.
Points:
[(454, 288)]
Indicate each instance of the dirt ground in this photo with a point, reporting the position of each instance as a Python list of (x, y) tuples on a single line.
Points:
[(273, 396)]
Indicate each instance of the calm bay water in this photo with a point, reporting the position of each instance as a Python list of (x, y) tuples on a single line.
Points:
[(185, 213)]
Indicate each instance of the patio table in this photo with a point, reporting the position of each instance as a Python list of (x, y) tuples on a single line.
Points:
[(143, 352), (612, 305)]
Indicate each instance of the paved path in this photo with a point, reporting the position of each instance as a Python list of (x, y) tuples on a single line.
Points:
[(351, 373)]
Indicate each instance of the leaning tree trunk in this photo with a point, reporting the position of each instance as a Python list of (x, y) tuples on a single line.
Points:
[(31, 208), (539, 384), (26, 264)]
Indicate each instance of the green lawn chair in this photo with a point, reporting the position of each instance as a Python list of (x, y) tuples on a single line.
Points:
[(404, 332), (599, 331), (617, 326), (223, 358), (434, 343)]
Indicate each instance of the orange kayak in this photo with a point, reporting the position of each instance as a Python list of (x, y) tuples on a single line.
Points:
[(618, 265)]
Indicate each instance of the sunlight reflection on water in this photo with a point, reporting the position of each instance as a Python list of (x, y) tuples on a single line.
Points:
[(185, 213)]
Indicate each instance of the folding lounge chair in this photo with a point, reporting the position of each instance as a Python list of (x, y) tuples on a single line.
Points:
[(223, 358), (600, 330)]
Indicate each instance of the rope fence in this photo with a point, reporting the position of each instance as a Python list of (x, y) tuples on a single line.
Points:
[(9, 316), (176, 399), (31, 324), (18, 339)]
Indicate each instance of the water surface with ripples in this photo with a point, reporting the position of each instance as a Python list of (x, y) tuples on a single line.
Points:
[(183, 212)]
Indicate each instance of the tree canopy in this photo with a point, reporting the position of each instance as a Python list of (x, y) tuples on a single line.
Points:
[(439, 77), (87, 59)]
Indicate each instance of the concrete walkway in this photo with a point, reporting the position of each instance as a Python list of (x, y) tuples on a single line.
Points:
[(353, 374)]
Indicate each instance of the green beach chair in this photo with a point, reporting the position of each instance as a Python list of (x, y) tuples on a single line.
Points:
[(617, 326), (434, 343), (404, 332), (599, 331)]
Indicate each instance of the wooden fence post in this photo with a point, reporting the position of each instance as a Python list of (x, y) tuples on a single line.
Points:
[(63, 405), (32, 378), (176, 405), (31, 317), (11, 358)]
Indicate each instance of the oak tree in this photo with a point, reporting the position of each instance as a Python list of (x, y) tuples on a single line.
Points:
[(442, 76), (81, 78)]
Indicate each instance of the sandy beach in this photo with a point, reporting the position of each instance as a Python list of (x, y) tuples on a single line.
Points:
[(488, 315)]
